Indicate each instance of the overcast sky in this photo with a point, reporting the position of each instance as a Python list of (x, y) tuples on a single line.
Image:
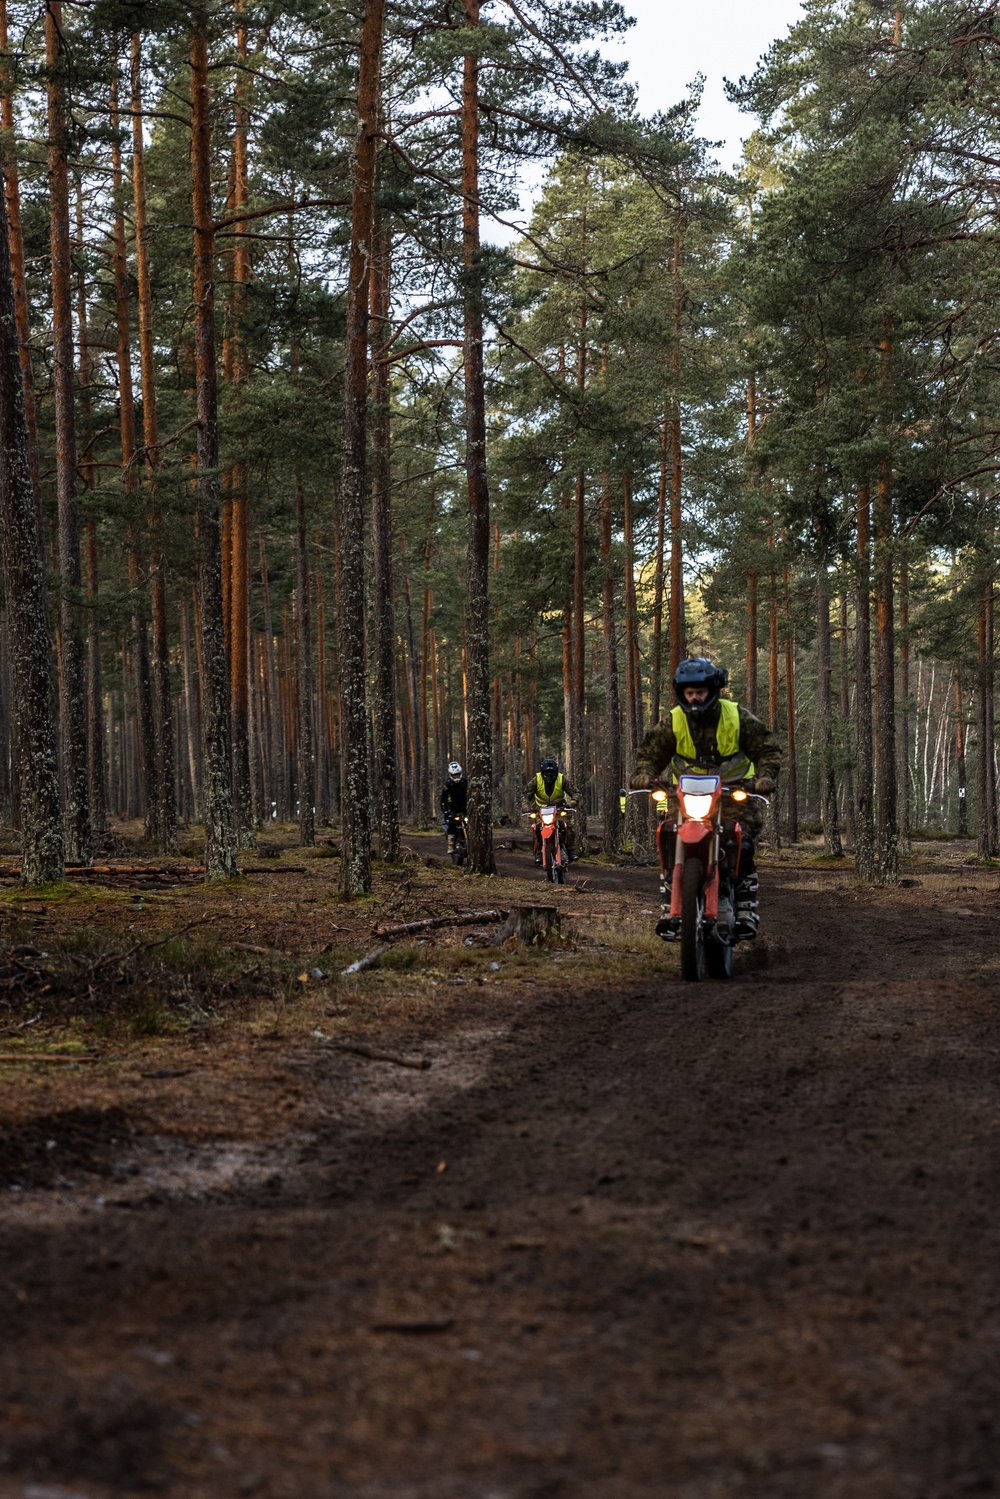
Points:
[(673, 40)]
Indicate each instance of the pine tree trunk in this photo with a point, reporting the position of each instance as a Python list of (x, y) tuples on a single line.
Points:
[(886, 826), (142, 686), (306, 766), (217, 797), (985, 758), (828, 783), (632, 678), (751, 687), (963, 785), (677, 630), (792, 772), (12, 190), (850, 807), (237, 576), (864, 840), (383, 613), (95, 698), (656, 669), (163, 719), (27, 613), (423, 739), (903, 743), (76, 800), (355, 860), (613, 776), (477, 617)]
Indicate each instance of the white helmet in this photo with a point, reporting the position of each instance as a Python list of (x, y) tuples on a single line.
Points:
[(454, 771)]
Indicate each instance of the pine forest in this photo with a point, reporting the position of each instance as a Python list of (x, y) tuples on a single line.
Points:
[(325, 463)]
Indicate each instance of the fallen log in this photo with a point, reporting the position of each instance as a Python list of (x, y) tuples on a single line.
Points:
[(530, 924), (281, 869), (418, 1064), (462, 918), (360, 964)]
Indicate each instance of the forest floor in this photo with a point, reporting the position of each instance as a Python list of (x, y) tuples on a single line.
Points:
[(622, 1237)]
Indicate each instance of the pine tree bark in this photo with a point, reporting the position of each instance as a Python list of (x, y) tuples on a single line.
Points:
[(383, 611), (12, 190), (306, 767), (477, 617), (864, 842), (632, 677), (961, 774), (613, 774), (656, 668), (752, 580), (985, 757), (27, 613), (238, 552), (792, 769), (72, 696), (217, 794), (903, 725), (850, 805), (828, 784), (163, 710), (886, 824), (677, 631), (142, 685), (355, 860)]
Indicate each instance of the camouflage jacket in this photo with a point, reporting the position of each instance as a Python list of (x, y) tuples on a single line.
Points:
[(756, 741)]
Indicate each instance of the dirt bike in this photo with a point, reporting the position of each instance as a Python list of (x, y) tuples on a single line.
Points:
[(456, 829), (699, 839), (549, 824)]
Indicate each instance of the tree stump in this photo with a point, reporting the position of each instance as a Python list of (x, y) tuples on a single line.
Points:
[(531, 924)]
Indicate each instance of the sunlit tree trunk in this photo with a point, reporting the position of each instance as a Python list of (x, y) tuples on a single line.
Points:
[(656, 668), (792, 770), (903, 726), (677, 630), (76, 800), (220, 829), (306, 766)]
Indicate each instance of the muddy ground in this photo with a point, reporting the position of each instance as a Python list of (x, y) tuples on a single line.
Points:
[(621, 1237)]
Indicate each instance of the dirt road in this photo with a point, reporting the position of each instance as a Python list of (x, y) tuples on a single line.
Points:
[(622, 1238)]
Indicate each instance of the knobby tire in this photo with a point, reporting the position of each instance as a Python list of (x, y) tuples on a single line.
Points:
[(692, 922)]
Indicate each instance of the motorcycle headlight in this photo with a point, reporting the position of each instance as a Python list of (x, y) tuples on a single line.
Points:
[(739, 796), (548, 818), (697, 807), (659, 795)]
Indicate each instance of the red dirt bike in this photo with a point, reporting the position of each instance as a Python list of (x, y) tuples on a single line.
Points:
[(549, 824), (699, 841)]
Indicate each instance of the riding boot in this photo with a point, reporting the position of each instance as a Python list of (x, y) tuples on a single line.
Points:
[(451, 843), (747, 911)]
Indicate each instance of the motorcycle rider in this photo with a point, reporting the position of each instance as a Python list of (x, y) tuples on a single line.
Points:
[(707, 732), (454, 799), (549, 788)]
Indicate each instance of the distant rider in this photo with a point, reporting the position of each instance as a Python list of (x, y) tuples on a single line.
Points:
[(549, 788), (454, 799), (707, 732)]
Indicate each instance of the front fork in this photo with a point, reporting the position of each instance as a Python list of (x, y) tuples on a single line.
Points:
[(675, 846)]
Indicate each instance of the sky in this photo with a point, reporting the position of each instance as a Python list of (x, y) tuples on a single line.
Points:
[(671, 42)]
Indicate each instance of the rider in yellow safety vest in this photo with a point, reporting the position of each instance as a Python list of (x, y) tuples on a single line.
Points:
[(708, 732), (549, 788)]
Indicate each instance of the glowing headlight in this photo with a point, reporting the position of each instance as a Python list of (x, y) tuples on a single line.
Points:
[(739, 796), (548, 818), (697, 807), (659, 796)]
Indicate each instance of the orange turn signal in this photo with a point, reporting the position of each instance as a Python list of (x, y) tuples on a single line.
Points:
[(739, 796)]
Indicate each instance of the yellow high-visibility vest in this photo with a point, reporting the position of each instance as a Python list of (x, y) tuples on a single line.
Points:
[(542, 797), (727, 742)]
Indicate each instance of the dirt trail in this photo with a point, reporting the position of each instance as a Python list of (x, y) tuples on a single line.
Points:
[(620, 1240)]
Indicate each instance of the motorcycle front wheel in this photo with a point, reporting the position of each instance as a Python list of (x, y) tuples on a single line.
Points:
[(693, 922)]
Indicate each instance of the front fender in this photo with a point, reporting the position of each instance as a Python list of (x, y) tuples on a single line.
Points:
[(694, 832)]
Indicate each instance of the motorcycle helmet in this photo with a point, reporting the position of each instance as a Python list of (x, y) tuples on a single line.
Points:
[(549, 767), (454, 771), (699, 671)]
